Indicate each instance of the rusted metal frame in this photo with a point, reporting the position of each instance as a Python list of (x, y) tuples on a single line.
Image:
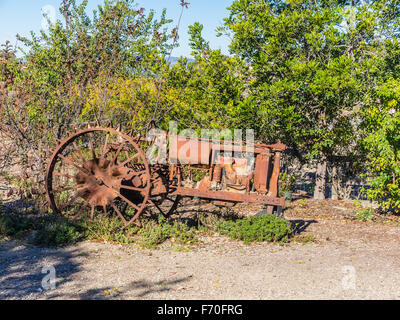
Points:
[(261, 171), (256, 150), (179, 173), (273, 182), (277, 146), (91, 145), (229, 196), (171, 172)]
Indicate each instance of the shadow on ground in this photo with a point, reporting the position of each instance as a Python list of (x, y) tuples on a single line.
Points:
[(21, 206), (21, 269), (141, 289), (300, 226)]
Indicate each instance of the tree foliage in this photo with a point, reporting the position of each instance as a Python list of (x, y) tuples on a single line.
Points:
[(80, 70), (314, 67), (382, 169)]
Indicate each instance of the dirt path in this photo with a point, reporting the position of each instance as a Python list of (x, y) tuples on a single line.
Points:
[(348, 260)]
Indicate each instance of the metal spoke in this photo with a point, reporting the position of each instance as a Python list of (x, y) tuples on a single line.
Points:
[(92, 146), (59, 174), (86, 203), (92, 212), (119, 213), (117, 153), (131, 188), (72, 163), (79, 151), (129, 160), (127, 200), (77, 186), (105, 147), (79, 194)]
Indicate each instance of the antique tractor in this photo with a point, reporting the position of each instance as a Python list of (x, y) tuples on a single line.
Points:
[(103, 168)]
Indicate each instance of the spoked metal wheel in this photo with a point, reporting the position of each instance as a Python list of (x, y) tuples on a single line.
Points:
[(99, 168)]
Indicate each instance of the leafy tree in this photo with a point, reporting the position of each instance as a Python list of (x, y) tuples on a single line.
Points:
[(309, 62), (52, 83), (208, 92), (382, 169)]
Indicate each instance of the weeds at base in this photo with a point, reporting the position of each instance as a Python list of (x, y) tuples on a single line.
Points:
[(56, 231)]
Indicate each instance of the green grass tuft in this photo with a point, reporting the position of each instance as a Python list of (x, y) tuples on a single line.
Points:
[(365, 214), (154, 233)]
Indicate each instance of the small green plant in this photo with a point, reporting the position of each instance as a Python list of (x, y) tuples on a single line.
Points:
[(210, 222), (57, 233), (153, 233), (262, 228), (109, 229), (14, 224), (357, 203), (365, 214)]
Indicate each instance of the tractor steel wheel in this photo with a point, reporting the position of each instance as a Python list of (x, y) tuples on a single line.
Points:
[(99, 168)]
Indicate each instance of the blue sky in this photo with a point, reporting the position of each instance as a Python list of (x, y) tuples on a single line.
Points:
[(22, 16)]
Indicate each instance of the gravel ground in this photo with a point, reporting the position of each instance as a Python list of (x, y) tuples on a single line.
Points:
[(348, 260)]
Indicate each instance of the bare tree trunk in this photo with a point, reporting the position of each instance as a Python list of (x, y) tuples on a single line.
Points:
[(335, 183), (320, 180)]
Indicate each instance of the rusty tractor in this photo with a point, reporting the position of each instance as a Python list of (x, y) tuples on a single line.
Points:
[(103, 168)]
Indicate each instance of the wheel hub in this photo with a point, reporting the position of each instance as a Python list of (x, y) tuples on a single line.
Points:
[(102, 181)]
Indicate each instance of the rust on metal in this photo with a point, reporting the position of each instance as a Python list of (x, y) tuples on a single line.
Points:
[(261, 171), (100, 167), (229, 196)]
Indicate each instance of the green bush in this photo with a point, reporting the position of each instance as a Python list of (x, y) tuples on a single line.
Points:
[(262, 228), (50, 230), (382, 144), (57, 233), (108, 229), (14, 225)]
